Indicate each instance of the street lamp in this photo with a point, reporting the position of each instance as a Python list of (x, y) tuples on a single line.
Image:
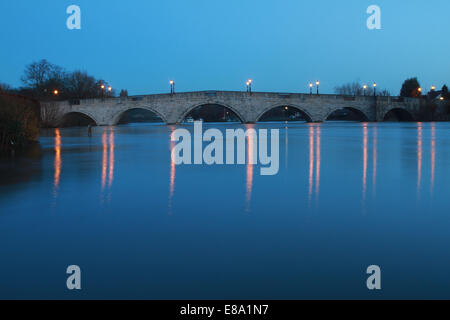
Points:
[(172, 86), (310, 88), (55, 92), (374, 89), (441, 98), (109, 89), (364, 89), (102, 86), (433, 88), (317, 85), (249, 85)]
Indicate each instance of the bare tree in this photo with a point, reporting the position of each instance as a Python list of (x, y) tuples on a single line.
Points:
[(357, 89), (50, 115), (123, 93), (351, 89), (384, 93), (38, 73), (43, 78), (80, 85)]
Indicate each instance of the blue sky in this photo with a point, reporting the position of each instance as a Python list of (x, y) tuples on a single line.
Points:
[(217, 45)]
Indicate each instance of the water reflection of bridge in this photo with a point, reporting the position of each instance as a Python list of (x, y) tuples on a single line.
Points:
[(107, 162), (369, 171)]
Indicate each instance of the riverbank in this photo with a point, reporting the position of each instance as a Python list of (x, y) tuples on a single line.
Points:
[(19, 123)]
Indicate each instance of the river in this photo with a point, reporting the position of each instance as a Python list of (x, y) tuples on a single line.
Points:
[(347, 196)]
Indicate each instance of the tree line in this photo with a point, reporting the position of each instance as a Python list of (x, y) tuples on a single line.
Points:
[(357, 89), (410, 89), (43, 80)]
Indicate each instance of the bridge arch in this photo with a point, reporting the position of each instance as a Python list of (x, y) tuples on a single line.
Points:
[(359, 114), (221, 104), (305, 113), (116, 117), (398, 114), (77, 118)]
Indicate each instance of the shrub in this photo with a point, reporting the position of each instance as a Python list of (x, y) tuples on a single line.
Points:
[(19, 123)]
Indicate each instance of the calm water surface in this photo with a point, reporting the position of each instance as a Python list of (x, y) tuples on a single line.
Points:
[(348, 195)]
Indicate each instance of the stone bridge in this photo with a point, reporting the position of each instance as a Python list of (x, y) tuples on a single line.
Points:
[(249, 107)]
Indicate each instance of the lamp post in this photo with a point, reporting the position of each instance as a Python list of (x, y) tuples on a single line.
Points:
[(56, 92), (310, 88), (374, 89), (249, 85), (172, 86), (419, 91), (317, 85), (102, 86), (433, 88), (364, 89)]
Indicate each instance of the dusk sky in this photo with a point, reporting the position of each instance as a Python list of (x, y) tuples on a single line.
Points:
[(218, 45)]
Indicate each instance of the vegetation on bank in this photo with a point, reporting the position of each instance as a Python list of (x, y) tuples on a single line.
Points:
[(19, 122)]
